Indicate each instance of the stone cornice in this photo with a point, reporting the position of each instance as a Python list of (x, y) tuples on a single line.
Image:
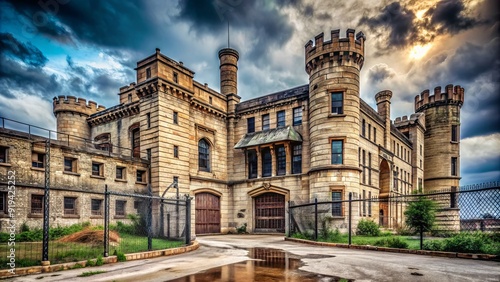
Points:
[(114, 113)]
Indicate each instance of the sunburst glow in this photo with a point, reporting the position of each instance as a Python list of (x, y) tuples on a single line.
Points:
[(418, 51)]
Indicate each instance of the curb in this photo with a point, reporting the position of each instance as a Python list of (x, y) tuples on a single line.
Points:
[(5, 273), (395, 250)]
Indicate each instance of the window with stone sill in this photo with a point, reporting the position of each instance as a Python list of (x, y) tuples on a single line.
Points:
[(337, 151), (120, 172), (280, 160), (176, 77), (265, 122), (280, 119), (141, 176), (297, 159), (103, 142), (120, 208), (252, 164), (203, 155), (297, 116), (148, 73), (251, 125), (36, 205), (70, 164), (336, 203), (267, 167), (97, 169), (96, 207), (4, 152), (37, 160), (337, 102), (70, 206)]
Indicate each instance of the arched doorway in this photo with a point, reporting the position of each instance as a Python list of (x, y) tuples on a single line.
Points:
[(270, 212), (384, 183), (207, 213)]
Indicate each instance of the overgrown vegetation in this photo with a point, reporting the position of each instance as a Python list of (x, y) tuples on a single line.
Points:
[(477, 242), (28, 235), (242, 229), (90, 273)]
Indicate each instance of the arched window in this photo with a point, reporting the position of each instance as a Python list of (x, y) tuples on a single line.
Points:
[(203, 155), (135, 134), (103, 142)]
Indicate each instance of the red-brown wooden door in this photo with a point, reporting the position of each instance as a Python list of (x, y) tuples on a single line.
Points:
[(207, 216), (270, 213)]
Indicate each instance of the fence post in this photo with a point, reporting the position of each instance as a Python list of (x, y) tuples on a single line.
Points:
[(316, 219), (150, 217), (106, 221), (46, 204), (188, 220), (350, 218)]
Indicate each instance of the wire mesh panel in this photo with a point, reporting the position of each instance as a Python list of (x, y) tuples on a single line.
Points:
[(172, 219)]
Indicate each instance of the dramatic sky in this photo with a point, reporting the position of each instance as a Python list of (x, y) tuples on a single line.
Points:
[(90, 48)]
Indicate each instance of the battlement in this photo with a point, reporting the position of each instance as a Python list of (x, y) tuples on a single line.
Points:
[(76, 105), (452, 95), (350, 48), (404, 121)]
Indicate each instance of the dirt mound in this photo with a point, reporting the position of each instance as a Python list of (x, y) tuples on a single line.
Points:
[(90, 236)]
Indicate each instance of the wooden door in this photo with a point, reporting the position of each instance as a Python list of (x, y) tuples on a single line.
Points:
[(207, 215), (270, 213)]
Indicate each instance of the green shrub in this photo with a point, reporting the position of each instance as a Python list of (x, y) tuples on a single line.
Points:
[(120, 256), (466, 243), (305, 235), (242, 229), (4, 237), (24, 227), (393, 242), (330, 236), (405, 231), (433, 245), (90, 263), (367, 228)]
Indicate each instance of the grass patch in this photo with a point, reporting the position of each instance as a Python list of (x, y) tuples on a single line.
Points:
[(90, 273)]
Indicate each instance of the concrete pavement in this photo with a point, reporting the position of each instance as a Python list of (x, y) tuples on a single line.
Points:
[(216, 251)]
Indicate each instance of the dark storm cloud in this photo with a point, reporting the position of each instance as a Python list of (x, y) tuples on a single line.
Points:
[(490, 165), (29, 54), (397, 19), (379, 73), (107, 23), (448, 17)]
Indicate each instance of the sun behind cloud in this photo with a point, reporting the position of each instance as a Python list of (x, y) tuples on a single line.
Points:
[(419, 51)]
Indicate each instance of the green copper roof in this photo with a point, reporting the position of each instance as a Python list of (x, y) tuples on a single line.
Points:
[(269, 136)]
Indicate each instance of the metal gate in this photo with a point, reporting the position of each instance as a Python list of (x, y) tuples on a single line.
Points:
[(207, 216), (270, 213)]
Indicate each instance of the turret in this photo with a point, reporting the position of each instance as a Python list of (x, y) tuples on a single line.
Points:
[(442, 136), (333, 67), (72, 113), (383, 99)]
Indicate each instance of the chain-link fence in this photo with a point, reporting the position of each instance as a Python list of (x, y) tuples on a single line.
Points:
[(114, 223), (469, 211)]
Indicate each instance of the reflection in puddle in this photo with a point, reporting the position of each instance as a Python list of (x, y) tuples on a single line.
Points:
[(266, 265)]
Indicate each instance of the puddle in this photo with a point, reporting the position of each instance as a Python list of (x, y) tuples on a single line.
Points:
[(265, 265)]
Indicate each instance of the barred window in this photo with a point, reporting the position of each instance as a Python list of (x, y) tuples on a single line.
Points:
[(69, 205), (37, 204), (120, 172), (96, 207), (297, 116), (336, 206), (120, 207)]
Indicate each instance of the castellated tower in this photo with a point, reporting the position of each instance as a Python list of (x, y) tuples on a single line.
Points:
[(383, 99), (442, 136), (72, 114), (334, 104)]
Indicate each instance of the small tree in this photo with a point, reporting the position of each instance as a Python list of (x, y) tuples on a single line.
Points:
[(420, 215)]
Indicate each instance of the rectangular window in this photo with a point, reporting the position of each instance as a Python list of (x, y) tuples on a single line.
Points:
[(374, 134), (37, 204), (210, 100), (369, 132), (148, 73), (175, 118), (69, 205), (251, 125), (252, 164), (280, 119), (70, 164), (453, 197), (454, 166), (395, 184), (364, 167), (337, 150), (120, 208), (97, 169), (141, 176), (297, 116), (176, 151), (280, 160), (363, 128), (369, 203), (120, 172), (337, 102), (3, 154), (37, 160), (148, 154), (420, 149), (148, 120), (266, 162), (96, 207), (265, 122), (336, 204), (3, 202), (369, 168), (297, 159), (454, 133), (176, 77)]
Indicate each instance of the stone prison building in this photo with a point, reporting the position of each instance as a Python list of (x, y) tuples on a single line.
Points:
[(240, 161)]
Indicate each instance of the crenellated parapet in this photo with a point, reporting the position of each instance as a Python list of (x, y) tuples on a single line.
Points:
[(415, 118), (73, 104), (453, 95), (337, 50)]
